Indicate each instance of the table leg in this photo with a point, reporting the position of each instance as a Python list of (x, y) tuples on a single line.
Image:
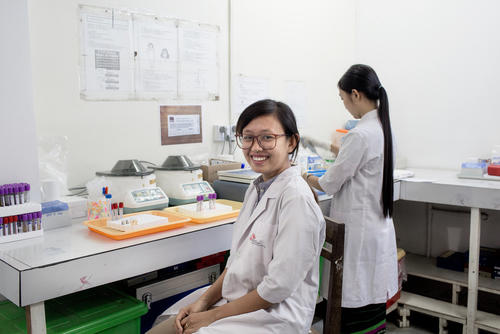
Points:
[(474, 244), (35, 318)]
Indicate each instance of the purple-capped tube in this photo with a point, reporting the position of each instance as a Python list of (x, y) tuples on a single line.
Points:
[(199, 203), (12, 201), (15, 192), (26, 192), (6, 195), (20, 190), (26, 223), (31, 222), (211, 201), (2, 231), (2, 202), (39, 220)]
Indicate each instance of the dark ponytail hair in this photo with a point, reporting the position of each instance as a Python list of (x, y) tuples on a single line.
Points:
[(364, 79), (270, 107)]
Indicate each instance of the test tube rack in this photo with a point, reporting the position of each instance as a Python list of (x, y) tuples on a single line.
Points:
[(16, 210)]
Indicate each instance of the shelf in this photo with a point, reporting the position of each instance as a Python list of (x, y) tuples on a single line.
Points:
[(6, 211), (487, 321), (433, 307), (420, 266)]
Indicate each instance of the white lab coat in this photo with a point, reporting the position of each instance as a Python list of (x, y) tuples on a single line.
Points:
[(355, 181), (275, 249)]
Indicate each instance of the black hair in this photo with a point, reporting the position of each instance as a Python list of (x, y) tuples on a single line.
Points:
[(364, 79), (270, 107)]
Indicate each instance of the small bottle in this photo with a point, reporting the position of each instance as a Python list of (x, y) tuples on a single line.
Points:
[(211, 201), (199, 203)]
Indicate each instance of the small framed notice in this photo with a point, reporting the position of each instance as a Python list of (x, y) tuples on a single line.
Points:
[(180, 124)]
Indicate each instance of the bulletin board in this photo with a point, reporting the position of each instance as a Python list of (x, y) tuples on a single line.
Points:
[(134, 56), (180, 124)]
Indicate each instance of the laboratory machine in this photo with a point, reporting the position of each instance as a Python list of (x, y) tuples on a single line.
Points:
[(133, 184), (181, 180)]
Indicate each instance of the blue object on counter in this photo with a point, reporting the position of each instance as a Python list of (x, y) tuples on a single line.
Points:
[(54, 206), (481, 165)]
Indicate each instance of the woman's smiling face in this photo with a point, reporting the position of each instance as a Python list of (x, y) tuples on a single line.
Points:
[(273, 161)]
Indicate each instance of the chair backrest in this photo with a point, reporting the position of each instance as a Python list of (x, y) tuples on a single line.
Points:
[(335, 237)]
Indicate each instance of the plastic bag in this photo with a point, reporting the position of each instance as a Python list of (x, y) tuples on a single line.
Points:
[(52, 160)]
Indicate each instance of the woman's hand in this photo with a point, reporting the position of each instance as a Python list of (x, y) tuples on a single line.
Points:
[(195, 321), (196, 307)]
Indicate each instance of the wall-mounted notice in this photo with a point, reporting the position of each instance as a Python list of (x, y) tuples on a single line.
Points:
[(156, 43), (107, 55), (247, 90), (198, 60), (180, 124), (129, 55)]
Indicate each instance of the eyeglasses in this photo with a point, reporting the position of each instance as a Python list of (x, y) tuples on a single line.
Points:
[(266, 142)]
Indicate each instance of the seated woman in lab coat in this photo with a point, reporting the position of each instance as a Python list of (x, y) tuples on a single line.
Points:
[(271, 279)]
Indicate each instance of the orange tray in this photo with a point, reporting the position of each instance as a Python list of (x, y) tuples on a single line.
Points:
[(234, 213), (174, 221)]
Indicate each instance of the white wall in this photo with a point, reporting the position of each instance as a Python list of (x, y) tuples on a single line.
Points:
[(18, 155), (310, 41), (100, 133), (439, 61), (282, 40)]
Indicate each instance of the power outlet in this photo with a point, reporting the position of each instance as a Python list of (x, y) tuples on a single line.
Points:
[(220, 132), (232, 132)]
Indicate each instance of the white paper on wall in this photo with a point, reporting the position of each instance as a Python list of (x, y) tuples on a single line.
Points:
[(183, 125), (247, 90), (107, 55), (198, 66), (156, 59)]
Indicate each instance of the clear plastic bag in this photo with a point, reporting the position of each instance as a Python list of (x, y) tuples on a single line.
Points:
[(52, 157)]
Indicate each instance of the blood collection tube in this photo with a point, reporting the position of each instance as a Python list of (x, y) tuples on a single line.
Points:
[(20, 190), (2, 202), (120, 210), (26, 192), (11, 195), (15, 192), (2, 231), (6, 195), (211, 201), (29, 221), (199, 203), (39, 220), (14, 224)]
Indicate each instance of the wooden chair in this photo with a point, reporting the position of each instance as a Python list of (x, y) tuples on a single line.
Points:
[(334, 236)]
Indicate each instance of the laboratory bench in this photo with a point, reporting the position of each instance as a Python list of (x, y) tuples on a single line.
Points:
[(444, 187), (72, 258)]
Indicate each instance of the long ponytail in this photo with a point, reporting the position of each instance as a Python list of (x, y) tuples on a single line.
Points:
[(364, 79), (388, 179)]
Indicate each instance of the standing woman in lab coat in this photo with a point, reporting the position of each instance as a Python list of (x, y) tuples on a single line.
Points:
[(270, 283), (361, 182)]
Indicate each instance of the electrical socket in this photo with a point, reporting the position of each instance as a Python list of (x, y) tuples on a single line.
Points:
[(220, 132), (232, 132)]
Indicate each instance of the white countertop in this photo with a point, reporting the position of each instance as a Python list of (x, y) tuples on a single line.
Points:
[(444, 187)]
